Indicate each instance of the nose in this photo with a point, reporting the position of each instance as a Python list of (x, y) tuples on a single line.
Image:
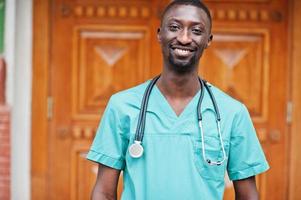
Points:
[(184, 37)]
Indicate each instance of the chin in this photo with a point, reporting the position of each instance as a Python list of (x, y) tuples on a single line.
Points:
[(182, 66)]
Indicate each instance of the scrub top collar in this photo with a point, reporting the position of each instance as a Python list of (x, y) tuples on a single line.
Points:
[(158, 101)]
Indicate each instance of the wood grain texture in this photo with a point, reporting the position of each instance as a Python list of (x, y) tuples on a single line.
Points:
[(91, 58), (295, 149), (39, 139), (100, 53), (240, 55), (270, 122)]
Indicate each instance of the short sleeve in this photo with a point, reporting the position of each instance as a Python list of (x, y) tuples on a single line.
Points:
[(246, 157), (109, 146)]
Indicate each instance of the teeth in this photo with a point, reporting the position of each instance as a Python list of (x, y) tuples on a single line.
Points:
[(182, 52)]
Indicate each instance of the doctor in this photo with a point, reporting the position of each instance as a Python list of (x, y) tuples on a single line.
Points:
[(178, 158)]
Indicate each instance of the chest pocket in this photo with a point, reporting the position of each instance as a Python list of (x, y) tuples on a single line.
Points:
[(213, 152)]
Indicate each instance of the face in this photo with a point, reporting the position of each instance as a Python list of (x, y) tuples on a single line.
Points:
[(184, 34)]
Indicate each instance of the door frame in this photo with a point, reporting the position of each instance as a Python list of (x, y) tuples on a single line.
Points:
[(294, 63), (40, 94)]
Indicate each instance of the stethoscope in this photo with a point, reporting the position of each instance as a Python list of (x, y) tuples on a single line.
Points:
[(136, 149)]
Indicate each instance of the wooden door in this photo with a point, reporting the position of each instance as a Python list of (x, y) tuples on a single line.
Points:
[(98, 47), (248, 60)]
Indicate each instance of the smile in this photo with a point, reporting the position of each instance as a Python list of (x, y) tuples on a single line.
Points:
[(182, 52)]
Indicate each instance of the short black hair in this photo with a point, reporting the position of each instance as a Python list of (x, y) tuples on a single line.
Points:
[(196, 3)]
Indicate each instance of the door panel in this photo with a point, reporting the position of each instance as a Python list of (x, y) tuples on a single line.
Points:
[(106, 59), (239, 60), (100, 47), (244, 61), (241, 56)]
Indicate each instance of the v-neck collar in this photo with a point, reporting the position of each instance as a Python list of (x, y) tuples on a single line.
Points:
[(167, 108), (158, 102), (159, 106)]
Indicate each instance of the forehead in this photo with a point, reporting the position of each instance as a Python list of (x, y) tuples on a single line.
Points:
[(187, 13)]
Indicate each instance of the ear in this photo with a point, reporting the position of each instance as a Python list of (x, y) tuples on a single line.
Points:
[(209, 40), (159, 35)]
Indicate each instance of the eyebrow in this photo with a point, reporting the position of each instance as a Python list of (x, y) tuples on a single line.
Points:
[(179, 21)]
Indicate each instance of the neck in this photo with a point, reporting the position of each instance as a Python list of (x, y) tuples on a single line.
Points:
[(179, 86)]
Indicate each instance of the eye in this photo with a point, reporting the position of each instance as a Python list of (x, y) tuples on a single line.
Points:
[(197, 31), (173, 27)]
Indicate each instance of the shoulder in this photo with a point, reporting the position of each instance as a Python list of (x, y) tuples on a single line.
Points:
[(130, 97)]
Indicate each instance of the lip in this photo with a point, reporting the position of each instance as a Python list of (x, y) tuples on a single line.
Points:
[(174, 47), (182, 52)]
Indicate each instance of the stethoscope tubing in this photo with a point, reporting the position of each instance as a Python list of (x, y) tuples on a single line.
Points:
[(142, 115), (139, 134), (205, 84)]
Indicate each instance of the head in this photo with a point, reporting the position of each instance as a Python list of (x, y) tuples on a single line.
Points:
[(184, 34)]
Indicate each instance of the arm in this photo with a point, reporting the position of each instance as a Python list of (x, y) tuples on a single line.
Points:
[(245, 189), (105, 187)]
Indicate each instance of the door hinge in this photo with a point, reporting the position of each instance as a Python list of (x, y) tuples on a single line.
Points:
[(49, 107), (289, 112)]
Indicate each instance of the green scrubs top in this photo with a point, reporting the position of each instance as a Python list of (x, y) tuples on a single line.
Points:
[(172, 166)]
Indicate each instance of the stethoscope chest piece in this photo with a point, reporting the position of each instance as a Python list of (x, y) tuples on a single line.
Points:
[(136, 149)]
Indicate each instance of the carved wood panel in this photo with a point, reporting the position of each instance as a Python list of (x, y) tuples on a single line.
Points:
[(83, 173), (234, 61), (106, 59), (112, 11)]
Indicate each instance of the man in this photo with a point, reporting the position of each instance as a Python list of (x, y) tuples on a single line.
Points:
[(178, 157)]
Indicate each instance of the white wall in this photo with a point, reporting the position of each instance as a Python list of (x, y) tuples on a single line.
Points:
[(9, 46), (18, 55)]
